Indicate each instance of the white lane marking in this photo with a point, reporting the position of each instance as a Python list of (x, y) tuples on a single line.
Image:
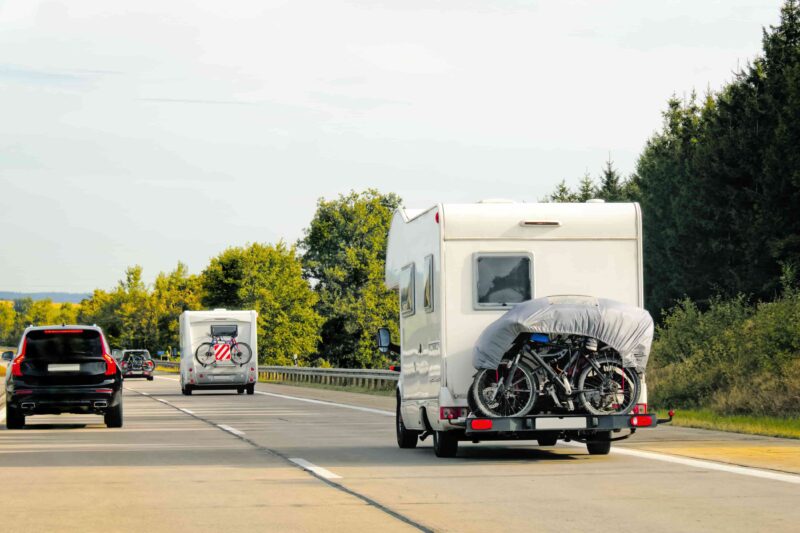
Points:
[(311, 467), (162, 400), (144, 393), (701, 463), (229, 429), (334, 404), (188, 412)]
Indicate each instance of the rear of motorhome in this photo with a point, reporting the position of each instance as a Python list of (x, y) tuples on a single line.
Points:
[(220, 335), (458, 267)]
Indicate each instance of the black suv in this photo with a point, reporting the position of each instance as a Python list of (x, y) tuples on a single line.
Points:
[(63, 369)]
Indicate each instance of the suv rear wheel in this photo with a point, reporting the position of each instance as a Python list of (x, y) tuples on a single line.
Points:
[(113, 417), (14, 418), (445, 443)]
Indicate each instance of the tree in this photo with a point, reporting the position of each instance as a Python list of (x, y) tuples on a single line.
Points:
[(7, 320), (173, 294), (344, 255), (611, 184), (562, 193), (268, 279)]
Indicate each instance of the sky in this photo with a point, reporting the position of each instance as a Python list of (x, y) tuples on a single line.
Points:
[(153, 132)]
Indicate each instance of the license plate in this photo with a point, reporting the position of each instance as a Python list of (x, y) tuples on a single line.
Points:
[(222, 378), (62, 367), (561, 423)]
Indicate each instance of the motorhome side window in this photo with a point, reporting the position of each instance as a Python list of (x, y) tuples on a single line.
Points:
[(427, 294), (407, 290), (502, 280)]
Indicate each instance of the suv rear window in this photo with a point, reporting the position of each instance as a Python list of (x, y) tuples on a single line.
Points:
[(54, 344), (143, 353)]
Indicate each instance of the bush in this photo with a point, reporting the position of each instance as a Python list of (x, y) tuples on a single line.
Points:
[(734, 358)]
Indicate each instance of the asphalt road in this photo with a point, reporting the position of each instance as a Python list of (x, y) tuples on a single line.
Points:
[(293, 459)]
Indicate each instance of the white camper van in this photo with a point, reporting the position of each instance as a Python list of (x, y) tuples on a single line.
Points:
[(458, 267), (218, 350)]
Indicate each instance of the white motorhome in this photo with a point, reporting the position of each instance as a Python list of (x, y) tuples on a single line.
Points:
[(227, 340), (458, 267)]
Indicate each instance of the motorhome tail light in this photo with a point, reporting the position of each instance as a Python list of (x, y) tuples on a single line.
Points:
[(641, 421), (252, 369), (451, 413), (16, 365), (640, 409), (111, 365), (481, 424), (251, 380), (436, 217), (191, 370), (191, 380)]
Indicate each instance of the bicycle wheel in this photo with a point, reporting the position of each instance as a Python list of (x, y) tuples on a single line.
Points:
[(613, 390), (515, 399), (205, 354), (241, 353)]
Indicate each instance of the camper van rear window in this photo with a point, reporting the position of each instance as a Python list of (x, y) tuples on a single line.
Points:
[(226, 330), (502, 280), (407, 290)]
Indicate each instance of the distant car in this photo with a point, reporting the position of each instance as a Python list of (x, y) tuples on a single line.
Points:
[(137, 364), (63, 369)]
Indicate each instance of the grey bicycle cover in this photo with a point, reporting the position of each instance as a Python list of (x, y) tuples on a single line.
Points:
[(626, 328)]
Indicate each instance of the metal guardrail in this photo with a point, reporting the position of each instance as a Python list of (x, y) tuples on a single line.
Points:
[(366, 378)]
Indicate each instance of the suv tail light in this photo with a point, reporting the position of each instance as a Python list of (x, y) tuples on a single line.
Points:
[(16, 365), (451, 413), (639, 409), (111, 365)]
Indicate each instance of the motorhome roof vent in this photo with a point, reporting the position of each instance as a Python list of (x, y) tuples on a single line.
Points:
[(595, 201), (496, 201)]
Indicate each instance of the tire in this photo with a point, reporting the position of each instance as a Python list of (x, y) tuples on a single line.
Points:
[(205, 354), (547, 440), (149, 378), (14, 418), (602, 446), (251, 388), (445, 443), (113, 417), (240, 390), (597, 398), (241, 353), (516, 405), (406, 438), (187, 390)]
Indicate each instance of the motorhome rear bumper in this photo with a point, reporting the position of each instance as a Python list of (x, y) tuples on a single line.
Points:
[(533, 426)]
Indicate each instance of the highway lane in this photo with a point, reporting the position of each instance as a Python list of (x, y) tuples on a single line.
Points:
[(188, 470)]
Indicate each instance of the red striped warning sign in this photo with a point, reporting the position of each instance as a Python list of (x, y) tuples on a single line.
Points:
[(222, 352)]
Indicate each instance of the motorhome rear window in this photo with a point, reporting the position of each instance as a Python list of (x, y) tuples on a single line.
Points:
[(227, 330), (502, 280), (407, 290)]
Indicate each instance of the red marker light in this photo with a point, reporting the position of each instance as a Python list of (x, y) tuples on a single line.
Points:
[(641, 421), (60, 331), (437, 217), (481, 424)]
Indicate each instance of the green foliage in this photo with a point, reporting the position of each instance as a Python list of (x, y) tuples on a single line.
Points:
[(734, 358), (17, 315), (344, 254), (135, 316), (269, 279), (720, 183), (612, 188)]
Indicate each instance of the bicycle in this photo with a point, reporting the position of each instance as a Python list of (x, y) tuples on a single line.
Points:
[(566, 370), (219, 349)]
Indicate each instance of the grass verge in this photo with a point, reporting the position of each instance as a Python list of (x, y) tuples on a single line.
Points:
[(768, 426)]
